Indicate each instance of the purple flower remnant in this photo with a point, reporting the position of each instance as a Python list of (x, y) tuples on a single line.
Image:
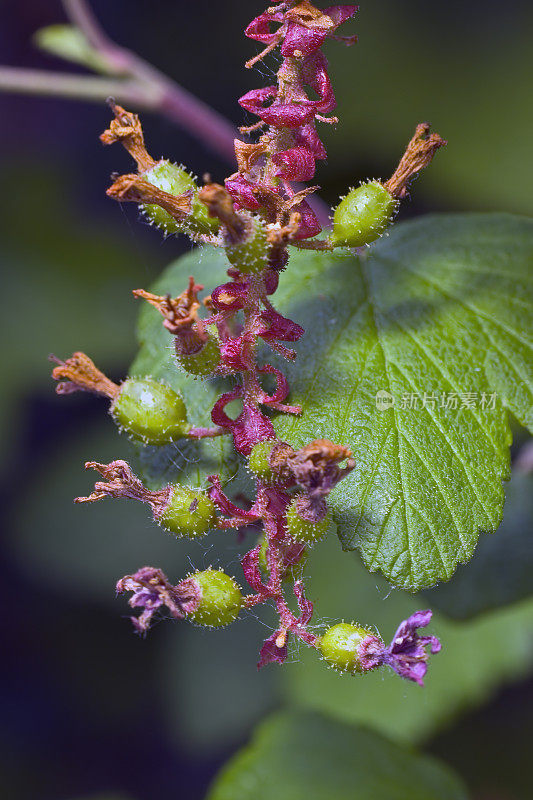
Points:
[(407, 653), (151, 591), (274, 649)]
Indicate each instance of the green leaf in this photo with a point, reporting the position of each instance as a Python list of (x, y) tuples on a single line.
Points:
[(500, 571), (304, 756), (478, 657), (442, 307), (71, 44)]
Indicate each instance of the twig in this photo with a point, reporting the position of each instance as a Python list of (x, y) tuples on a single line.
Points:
[(75, 87), (137, 83), (173, 100)]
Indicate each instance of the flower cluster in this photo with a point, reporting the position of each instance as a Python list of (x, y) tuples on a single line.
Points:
[(255, 218), (289, 145)]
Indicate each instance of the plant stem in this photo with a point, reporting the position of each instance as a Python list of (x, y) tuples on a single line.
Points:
[(179, 105), (74, 87)]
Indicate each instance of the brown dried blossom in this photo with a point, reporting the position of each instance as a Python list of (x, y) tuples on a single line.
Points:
[(126, 128), (121, 482), (418, 155), (79, 373), (133, 189)]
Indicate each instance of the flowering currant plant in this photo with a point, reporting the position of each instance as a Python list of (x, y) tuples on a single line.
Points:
[(372, 455)]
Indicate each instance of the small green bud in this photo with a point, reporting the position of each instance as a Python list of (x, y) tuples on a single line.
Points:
[(221, 598), (204, 362), (250, 255), (305, 530), (150, 411), (362, 216), (263, 553), (176, 180), (190, 512), (340, 646), (258, 461)]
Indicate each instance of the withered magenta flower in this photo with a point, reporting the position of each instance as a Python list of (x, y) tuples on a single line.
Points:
[(152, 590), (407, 653)]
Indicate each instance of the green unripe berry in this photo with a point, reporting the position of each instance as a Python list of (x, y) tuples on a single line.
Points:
[(205, 361), (258, 461), (221, 598), (304, 530), (150, 411), (291, 573), (263, 554), (362, 216), (251, 255), (176, 180), (340, 646), (190, 513)]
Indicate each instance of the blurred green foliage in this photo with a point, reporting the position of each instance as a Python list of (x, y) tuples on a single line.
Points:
[(464, 67), (478, 656), (305, 756), (68, 274), (67, 285)]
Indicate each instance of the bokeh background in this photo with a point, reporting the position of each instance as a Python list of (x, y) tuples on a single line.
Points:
[(87, 709)]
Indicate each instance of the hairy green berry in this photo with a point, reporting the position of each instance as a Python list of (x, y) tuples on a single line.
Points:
[(190, 512), (340, 646), (258, 461), (204, 362), (302, 529), (362, 216), (221, 598), (250, 255), (150, 411), (176, 180)]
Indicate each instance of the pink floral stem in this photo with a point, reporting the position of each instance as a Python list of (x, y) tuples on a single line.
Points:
[(205, 433)]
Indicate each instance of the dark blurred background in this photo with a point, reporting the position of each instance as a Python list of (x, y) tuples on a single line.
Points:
[(87, 708)]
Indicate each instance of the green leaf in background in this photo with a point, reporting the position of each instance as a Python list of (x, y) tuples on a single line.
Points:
[(304, 756), (477, 658), (75, 303), (484, 166), (83, 550), (501, 569), (211, 692), (71, 44), (436, 318)]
